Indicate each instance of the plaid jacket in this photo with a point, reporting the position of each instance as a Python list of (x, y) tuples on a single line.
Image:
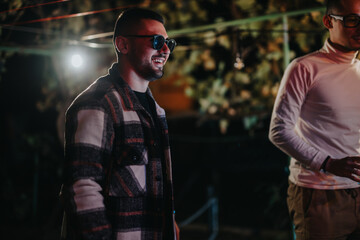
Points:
[(115, 185)]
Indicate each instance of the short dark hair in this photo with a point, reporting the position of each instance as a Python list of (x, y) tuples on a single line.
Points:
[(128, 19), (334, 5)]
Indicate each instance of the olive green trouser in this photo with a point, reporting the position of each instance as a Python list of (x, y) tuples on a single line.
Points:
[(324, 214)]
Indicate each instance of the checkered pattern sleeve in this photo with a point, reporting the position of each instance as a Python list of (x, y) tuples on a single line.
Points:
[(88, 135)]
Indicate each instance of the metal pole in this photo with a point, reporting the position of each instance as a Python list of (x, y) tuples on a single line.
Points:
[(25, 50), (238, 22), (286, 46), (213, 214), (35, 187)]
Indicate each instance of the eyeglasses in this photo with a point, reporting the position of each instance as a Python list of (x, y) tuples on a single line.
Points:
[(158, 41), (349, 21)]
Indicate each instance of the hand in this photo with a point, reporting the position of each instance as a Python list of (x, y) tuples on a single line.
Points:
[(345, 167)]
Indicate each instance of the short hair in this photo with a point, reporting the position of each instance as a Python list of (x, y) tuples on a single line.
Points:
[(333, 5), (128, 19)]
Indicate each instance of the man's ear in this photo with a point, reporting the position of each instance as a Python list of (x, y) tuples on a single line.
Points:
[(327, 22), (121, 44)]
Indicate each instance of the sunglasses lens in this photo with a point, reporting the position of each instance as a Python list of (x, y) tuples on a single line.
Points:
[(158, 42), (171, 44)]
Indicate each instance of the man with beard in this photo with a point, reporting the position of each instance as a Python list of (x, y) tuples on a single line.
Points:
[(118, 177), (316, 121)]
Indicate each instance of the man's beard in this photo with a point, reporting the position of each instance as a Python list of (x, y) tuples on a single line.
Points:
[(146, 69), (150, 74)]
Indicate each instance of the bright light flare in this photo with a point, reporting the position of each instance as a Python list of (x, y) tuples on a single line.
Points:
[(77, 60)]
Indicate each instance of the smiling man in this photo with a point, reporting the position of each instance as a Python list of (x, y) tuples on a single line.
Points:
[(316, 121), (118, 176)]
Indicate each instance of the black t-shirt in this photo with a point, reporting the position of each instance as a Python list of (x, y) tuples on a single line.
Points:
[(146, 102), (149, 104)]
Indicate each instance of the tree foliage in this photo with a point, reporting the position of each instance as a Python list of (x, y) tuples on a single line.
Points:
[(229, 72)]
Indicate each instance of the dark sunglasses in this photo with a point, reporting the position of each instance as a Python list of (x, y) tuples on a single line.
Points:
[(349, 21), (158, 41)]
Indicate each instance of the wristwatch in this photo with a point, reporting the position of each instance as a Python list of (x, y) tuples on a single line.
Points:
[(323, 165)]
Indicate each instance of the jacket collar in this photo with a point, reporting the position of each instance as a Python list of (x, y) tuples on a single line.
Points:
[(129, 99)]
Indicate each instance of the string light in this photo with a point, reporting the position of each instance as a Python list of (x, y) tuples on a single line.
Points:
[(239, 64)]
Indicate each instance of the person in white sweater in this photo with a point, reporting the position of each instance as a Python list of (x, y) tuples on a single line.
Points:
[(316, 121)]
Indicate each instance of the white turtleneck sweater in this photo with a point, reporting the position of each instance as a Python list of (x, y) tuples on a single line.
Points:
[(317, 114)]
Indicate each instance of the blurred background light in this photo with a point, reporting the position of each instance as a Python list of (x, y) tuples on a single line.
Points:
[(77, 60)]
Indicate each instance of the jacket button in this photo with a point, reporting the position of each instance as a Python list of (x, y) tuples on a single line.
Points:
[(134, 158)]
